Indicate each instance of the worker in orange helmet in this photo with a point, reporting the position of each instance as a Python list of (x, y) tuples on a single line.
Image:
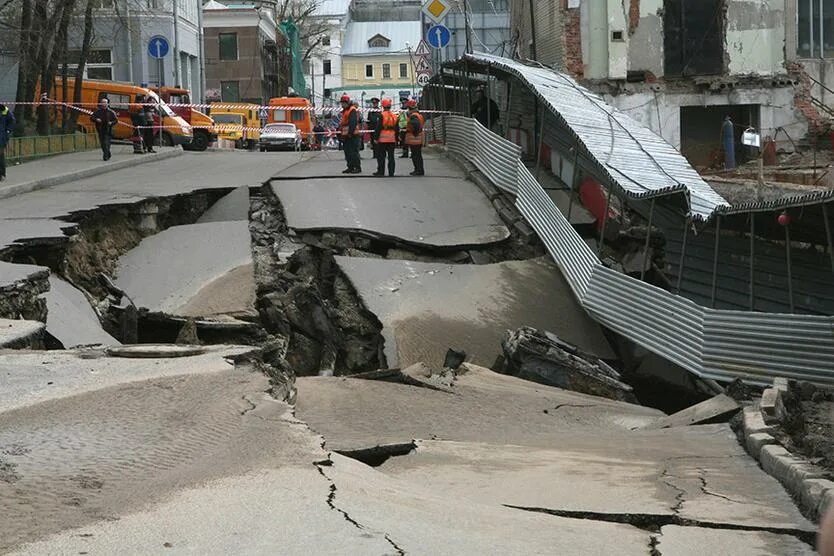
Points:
[(349, 129), (414, 137), (385, 136)]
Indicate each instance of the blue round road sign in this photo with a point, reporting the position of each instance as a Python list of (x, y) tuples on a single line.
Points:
[(158, 47), (438, 36)]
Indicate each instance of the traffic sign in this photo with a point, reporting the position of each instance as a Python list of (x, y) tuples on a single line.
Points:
[(158, 47), (439, 36), (436, 10), (423, 49), (422, 65), (423, 79)]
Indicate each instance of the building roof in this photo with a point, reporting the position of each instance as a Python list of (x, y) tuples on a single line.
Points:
[(333, 8), (357, 34), (637, 160)]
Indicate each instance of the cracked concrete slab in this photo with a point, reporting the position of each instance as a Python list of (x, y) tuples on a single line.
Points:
[(12, 332), (697, 541), (441, 212), (177, 270), (70, 318), (11, 273), (423, 522), (33, 377), (234, 206), (501, 440), (425, 308), (15, 230)]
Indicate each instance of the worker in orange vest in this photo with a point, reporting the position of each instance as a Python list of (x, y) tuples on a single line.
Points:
[(385, 136), (349, 129), (414, 137)]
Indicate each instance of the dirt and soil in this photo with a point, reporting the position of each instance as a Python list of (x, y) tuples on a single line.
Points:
[(808, 427)]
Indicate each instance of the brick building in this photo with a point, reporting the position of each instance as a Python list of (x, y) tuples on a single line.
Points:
[(681, 66), (245, 53)]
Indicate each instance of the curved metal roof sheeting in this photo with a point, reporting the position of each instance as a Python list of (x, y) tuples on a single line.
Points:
[(637, 160), (803, 200)]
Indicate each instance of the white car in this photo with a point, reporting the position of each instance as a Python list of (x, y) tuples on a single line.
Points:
[(280, 136)]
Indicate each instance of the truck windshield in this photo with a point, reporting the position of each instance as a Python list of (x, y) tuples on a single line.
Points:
[(227, 118)]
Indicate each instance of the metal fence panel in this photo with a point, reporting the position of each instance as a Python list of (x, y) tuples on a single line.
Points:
[(664, 323), (759, 346)]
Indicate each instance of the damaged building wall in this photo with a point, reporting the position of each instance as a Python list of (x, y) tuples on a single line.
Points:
[(546, 41), (755, 37), (645, 52)]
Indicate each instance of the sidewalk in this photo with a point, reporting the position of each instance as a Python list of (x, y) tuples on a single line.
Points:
[(63, 168)]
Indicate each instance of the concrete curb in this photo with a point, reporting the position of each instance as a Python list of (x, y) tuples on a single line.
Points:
[(804, 481), (26, 187)]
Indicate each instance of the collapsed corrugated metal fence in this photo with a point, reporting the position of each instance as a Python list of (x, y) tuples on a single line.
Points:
[(712, 343)]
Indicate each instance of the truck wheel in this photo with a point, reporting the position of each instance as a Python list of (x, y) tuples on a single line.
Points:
[(200, 141), (167, 140)]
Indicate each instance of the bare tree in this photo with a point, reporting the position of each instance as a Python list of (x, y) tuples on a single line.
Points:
[(311, 28)]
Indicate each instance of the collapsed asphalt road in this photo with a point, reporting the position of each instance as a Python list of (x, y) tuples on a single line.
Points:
[(101, 454)]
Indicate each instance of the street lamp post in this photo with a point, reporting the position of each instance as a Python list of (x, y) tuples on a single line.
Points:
[(413, 68)]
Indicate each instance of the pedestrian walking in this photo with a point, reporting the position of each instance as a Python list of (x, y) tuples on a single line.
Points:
[(105, 119), (403, 124), (349, 128), (138, 120), (414, 137), (385, 135), (147, 129), (318, 136), (374, 117), (7, 123)]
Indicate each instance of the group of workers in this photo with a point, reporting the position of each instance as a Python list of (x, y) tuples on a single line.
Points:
[(387, 130)]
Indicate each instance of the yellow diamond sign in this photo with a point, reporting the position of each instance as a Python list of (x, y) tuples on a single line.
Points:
[(436, 10)]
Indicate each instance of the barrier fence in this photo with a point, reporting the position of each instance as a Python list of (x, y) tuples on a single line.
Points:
[(717, 344), (19, 149)]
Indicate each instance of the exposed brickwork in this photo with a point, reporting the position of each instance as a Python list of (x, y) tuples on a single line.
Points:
[(817, 123), (633, 16), (573, 43)]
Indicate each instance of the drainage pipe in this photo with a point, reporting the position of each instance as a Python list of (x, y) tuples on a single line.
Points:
[(715, 259), (648, 239)]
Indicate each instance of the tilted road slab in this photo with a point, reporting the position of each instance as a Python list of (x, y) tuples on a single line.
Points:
[(440, 212), (426, 308), (70, 318), (167, 271)]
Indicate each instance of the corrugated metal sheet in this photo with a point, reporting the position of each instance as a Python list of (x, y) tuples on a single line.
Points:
[(759, 346), (357, 34), (718, 344), (638, 161)]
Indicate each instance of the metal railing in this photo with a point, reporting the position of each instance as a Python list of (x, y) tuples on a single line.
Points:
[(716, 344), (20, 149)]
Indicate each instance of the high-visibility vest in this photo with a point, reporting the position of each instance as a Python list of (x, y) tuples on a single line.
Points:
[(389, 128), (412, 139), (346, 121)]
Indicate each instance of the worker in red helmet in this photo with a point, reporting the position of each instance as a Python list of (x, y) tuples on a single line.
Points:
[(385, 135), (414, 137), (350, 136)]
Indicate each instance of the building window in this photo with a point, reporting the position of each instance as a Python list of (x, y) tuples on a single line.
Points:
[(386, 71), (403, 71), (379, 41), (228, 46), (230, 91), (815, 32), (325, 40), (693, 37), (369, 71), (325, 67), (99, 64)]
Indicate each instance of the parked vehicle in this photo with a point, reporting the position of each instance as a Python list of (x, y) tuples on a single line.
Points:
[(280, 136), (237, 122), (293, 110), (124, 100), (202, 125)]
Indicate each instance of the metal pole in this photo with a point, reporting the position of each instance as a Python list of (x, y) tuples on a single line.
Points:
[(573, 177), (468, 26), (176, 45), (604, 220), (828, 235), (789, 268), (811, 26), (715, 259), (541, 143), (648, 239), (752, 260), (822, 42), (533, 54), (489, 111)]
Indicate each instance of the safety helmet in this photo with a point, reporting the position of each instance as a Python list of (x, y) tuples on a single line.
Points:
[(386, 103), (345, 98), (411, 103)]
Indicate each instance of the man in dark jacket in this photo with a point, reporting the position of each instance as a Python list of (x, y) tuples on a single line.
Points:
[(374, 117), (147, 130), (105, 119), (485, 110), (6, 129)]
